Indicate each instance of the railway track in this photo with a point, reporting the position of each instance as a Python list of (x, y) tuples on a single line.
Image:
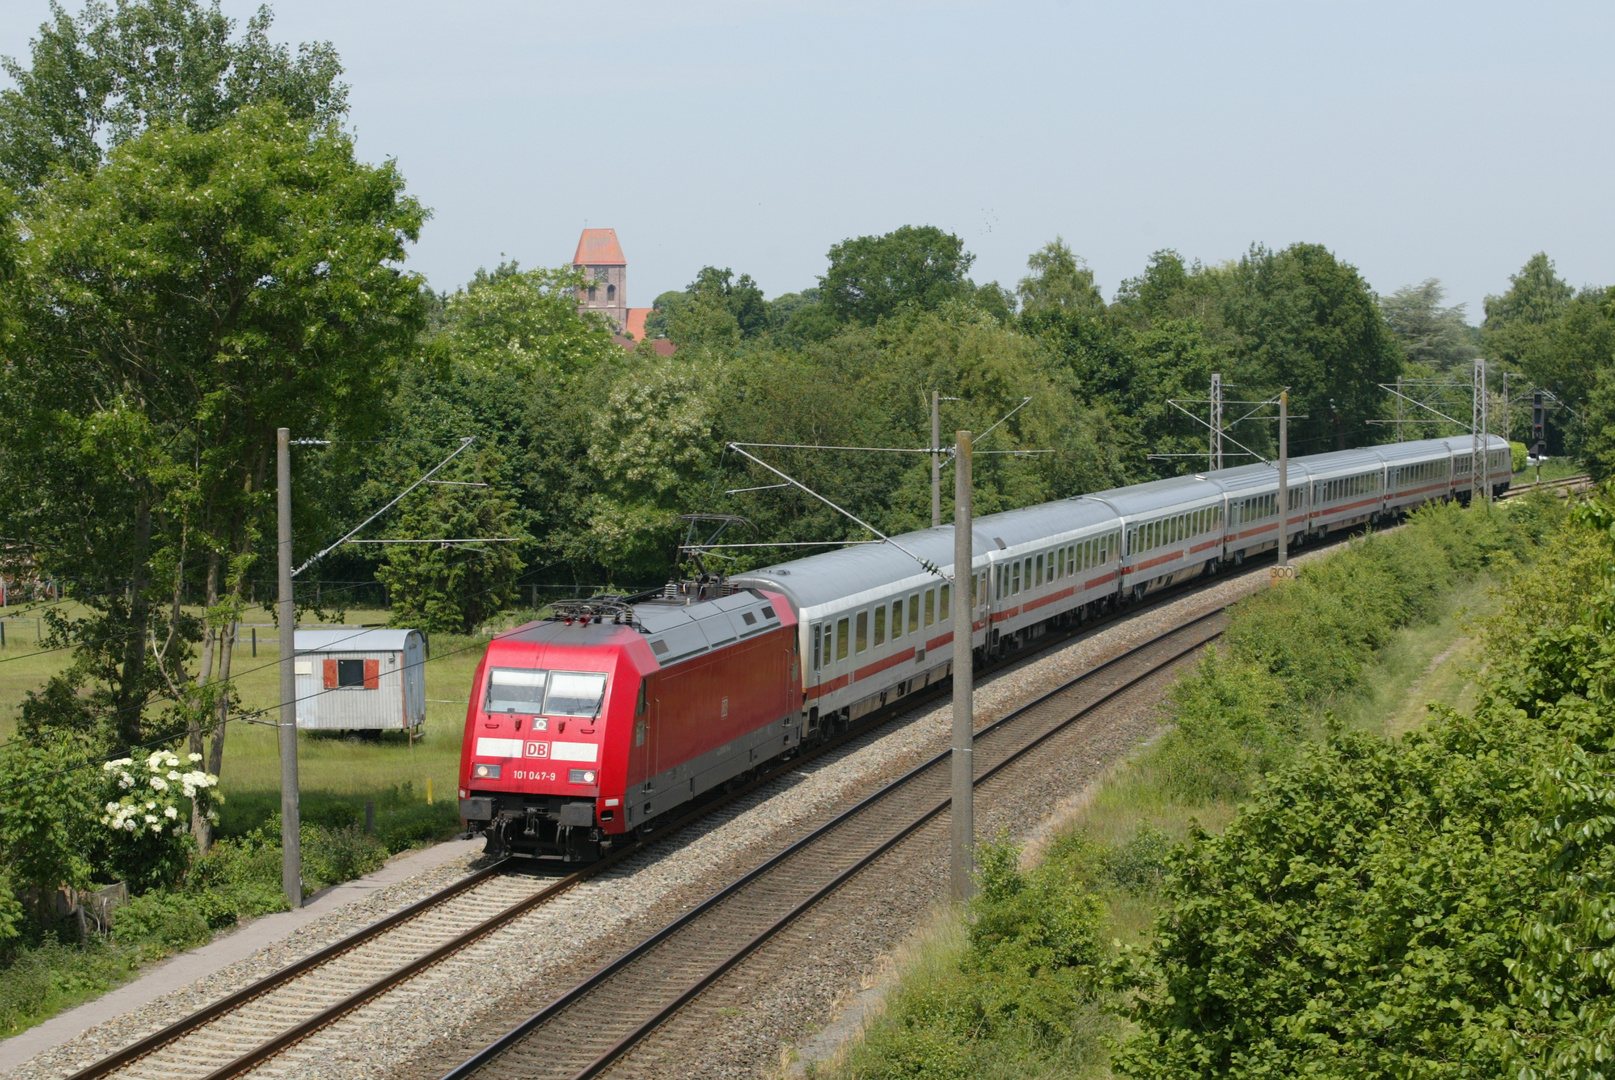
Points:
[(1568, 484), (583, 1031), (252, 1025)]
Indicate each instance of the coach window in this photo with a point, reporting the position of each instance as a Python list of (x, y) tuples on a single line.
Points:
[(913, 613), (841, 639), (880, 625), (942, 603), (1039, 578), (1015, 579), (930, 606), (861, 642), (897, 620), (814, 633), (1059, 563)]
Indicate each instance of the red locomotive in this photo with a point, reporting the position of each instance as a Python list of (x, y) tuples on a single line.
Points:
[(589, 725)]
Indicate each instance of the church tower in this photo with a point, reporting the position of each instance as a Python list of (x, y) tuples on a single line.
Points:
[(600, 258)]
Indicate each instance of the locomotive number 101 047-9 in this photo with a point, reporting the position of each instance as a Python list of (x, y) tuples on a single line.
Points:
[(533, 774)]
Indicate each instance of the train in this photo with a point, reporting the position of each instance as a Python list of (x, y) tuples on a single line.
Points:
[(588, 728)]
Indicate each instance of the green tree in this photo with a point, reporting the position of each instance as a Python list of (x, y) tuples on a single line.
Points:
[(873, 277), (174, 306), (1520, 325), (47, 817), (107, 76), (1434, 336), (454, 588), (1302, 318), (1059, 279)]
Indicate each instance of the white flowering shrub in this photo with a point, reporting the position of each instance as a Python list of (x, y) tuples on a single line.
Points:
[(148, 813)]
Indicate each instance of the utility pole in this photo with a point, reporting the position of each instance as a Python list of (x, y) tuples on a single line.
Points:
[(1399, 408), (291, 852), (1216, 421), (963, 810), (936, 458), (1539, 431), (1477, 424), (1284, 569)]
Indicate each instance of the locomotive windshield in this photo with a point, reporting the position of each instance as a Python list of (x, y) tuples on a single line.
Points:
[(512, 690), (575, 693), (524, 690)]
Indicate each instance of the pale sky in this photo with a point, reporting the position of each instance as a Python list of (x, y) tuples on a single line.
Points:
[(1415, 140)]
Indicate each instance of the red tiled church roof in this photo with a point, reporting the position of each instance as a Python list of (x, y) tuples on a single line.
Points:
[(636, 322), (599, 247)]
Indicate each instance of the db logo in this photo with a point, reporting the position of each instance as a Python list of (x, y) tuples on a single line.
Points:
[(538, 749)]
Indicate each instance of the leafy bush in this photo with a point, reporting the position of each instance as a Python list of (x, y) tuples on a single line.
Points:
[(148, 814), (40, 981), (1140, 865), (1234, 720), (236, 879), (1020, 990), (164, 922), (331, 856), (1440, 905)]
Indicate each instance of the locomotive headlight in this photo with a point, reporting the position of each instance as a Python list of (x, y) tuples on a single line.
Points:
[(580, 776), (484, 771)]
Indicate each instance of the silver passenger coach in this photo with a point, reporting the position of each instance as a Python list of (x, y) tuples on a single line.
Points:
[(875, 625)]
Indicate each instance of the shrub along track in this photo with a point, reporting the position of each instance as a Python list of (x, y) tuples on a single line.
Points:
[(254, 1024), (584, 1030)]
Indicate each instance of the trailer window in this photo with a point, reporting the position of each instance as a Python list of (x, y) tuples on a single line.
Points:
[(575, 693), (516, 690), (350, 673)]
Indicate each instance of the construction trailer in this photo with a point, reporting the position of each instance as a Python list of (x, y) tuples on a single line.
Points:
[(361, 680)]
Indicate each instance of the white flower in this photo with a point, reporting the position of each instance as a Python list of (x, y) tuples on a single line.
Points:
[(151, 805), (195, 757), (173, 775), (112, 808), (130, 824), (190, 792), (151, 818), (126, 781), (155, 760), (157, 828), (170, 813), (159, 784)]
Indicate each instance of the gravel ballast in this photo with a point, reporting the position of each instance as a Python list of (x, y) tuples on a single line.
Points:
[(770, 1000)]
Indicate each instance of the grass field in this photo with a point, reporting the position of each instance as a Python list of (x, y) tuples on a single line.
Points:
[(337, 774)]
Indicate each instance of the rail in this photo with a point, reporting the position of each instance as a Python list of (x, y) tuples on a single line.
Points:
[(645, 968)]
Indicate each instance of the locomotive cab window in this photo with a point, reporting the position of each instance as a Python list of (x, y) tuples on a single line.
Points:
[(575, 693), (514, 690)]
